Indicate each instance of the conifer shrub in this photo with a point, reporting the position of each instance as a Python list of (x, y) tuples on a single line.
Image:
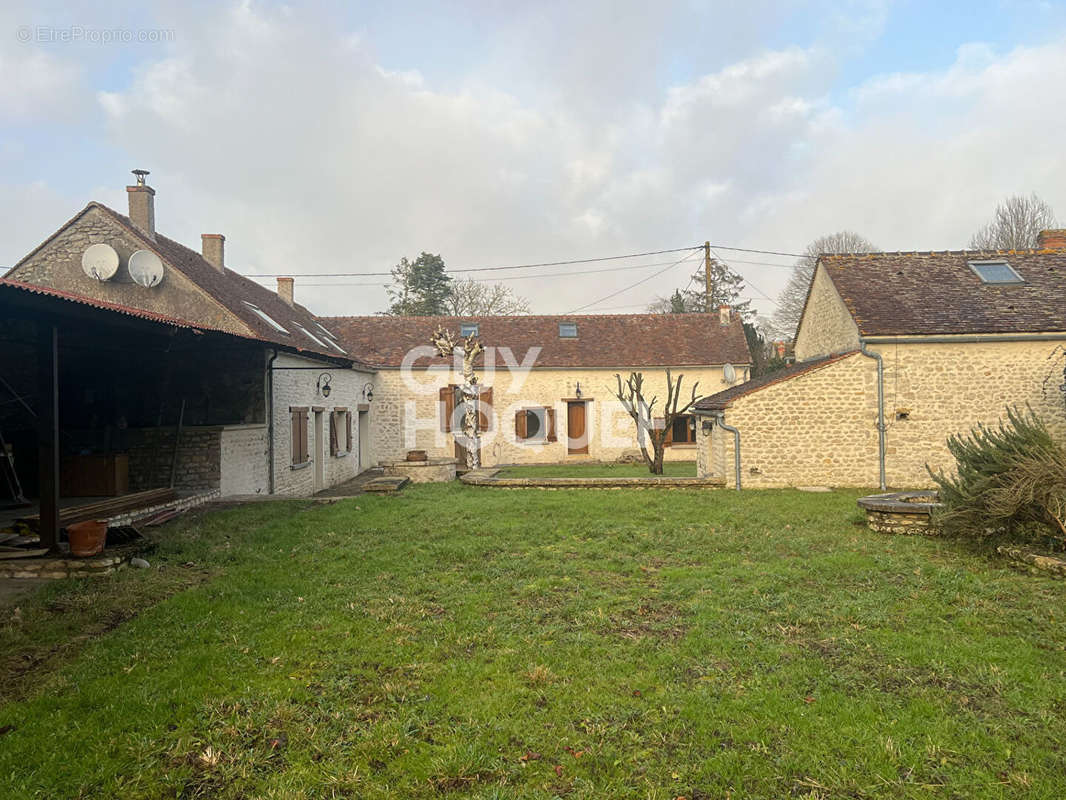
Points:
[(1010, 483)]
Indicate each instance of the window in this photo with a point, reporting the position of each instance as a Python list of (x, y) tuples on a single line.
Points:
[(266, 318), (340, 432), (535, 425), (298, 418), (452, 409), (311, 336), (996, 272), (683, 430), (469, 329), (567, 330)]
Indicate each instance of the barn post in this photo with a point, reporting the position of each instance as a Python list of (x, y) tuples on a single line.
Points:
[(48, 432)]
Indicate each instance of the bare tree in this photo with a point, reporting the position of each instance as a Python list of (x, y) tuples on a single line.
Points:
[(447, 345), (794, 295), (1015, 224), (631, 395), (472, 298)]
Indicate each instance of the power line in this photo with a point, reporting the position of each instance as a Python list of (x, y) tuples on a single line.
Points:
[(634, 285), (476, 269)]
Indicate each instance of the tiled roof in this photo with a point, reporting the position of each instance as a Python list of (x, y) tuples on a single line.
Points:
[(895, 294), (722, 400), (232, 290), (104, 305), (615, 340)]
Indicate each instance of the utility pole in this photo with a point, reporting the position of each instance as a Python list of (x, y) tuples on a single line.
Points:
[(708, 289)]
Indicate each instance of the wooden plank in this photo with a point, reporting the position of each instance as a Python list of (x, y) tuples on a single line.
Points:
[(107, 508)]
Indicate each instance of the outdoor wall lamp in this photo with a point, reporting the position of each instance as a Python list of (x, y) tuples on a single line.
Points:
[(368, 392), (323, 383), (708, 425), (577, 390)]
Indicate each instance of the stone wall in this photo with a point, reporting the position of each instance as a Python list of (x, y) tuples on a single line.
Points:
[(58, 265), (827, 327), (819, 428), (151, 451), (297, 388), (406, 412)]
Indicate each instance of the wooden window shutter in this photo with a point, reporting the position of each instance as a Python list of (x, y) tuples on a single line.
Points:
[(348, 430), (660, 424), (549, 413), (334, 446), (484, 409), (520, 424), (299, 435), (447, 407)]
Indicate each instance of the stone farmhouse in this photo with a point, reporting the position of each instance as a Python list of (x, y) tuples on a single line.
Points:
[(548, 381), (895, 352)]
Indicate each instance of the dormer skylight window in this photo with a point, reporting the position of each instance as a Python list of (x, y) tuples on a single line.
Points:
[(995, 272), (324, 331), (312, 337), (567, 330), (266, 318), (469, 329)]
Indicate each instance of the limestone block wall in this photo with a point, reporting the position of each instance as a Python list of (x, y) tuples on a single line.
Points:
[(297, 388), (819, 428), (406, 412), (57, 264), (244, 456), (827, 326)]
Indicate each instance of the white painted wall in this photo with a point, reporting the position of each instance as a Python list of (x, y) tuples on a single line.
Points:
[(244, 452)]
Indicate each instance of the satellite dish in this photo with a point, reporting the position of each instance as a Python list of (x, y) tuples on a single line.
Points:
[(729, 372), (146, 268), (100, 261)]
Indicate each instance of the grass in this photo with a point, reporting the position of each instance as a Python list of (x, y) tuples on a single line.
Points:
[(462, 642), (675, 469)]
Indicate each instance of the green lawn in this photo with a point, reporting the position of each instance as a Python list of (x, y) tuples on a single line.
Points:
[(674, 469), (456, 641)]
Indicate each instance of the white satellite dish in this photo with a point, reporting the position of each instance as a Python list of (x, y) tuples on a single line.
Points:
[(729, 372), (100, 261), (146, 268)]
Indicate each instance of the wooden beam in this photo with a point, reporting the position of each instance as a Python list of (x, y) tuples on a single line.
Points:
[(48, 432)]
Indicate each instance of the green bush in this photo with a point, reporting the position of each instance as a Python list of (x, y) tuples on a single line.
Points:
[(1010, 482)]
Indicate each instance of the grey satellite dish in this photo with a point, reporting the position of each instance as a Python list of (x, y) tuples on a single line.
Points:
[(100, 261), (146, 268), (729, 372)]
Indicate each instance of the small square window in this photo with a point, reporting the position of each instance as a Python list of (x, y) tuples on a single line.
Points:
[(996, 272), (567, 330), (468, 329)]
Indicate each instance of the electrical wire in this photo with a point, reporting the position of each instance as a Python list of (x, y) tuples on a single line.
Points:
[(633, 285)]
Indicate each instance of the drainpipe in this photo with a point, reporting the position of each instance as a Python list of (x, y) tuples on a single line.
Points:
[(880, 409), (270, 421), (720, 419)]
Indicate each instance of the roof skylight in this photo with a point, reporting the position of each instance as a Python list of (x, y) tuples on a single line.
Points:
[(266, 318), (567, 330), (996, 272), (469, 329), (311, 336)]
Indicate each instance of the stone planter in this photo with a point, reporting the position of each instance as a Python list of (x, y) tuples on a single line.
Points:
[(901, 513)]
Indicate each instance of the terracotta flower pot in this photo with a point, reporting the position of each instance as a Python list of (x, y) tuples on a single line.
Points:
[(416, 455), (87, 538)]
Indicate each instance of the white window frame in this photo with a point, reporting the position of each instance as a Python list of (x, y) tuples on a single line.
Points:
[(269, 320), (567, 325), (975, 266)]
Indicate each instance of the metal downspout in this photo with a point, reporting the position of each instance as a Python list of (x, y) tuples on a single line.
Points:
[(270, 421), (880, 409), (720, 419)]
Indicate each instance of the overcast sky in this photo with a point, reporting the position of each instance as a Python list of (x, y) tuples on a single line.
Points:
[(338, 138)]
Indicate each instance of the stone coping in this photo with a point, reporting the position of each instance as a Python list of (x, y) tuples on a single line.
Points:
[(917, 502), (487, 477), (429, 462), (1033, 562), (67, 566)]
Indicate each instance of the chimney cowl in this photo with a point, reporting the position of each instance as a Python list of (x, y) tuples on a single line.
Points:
[(285, 290), (141, 198), (1053, 239), (213, 248)]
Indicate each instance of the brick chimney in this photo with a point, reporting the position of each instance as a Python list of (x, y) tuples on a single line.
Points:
[(142, 204), (1054, 239), (723, 315), (779, 347), (285, 289), (213, 247)]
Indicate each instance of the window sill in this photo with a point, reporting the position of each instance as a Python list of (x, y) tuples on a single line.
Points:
[(532, 441), (684, 446), (341, 454), (304, 465)]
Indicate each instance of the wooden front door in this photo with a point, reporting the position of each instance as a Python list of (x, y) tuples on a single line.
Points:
[(577, 439)]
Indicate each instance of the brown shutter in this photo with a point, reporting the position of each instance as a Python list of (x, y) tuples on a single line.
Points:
[(299, 435), (550, 414), (334, 447), (484, 409), (305, 453), (348, 431), (520, 425), (447, 407), (659, 423)]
